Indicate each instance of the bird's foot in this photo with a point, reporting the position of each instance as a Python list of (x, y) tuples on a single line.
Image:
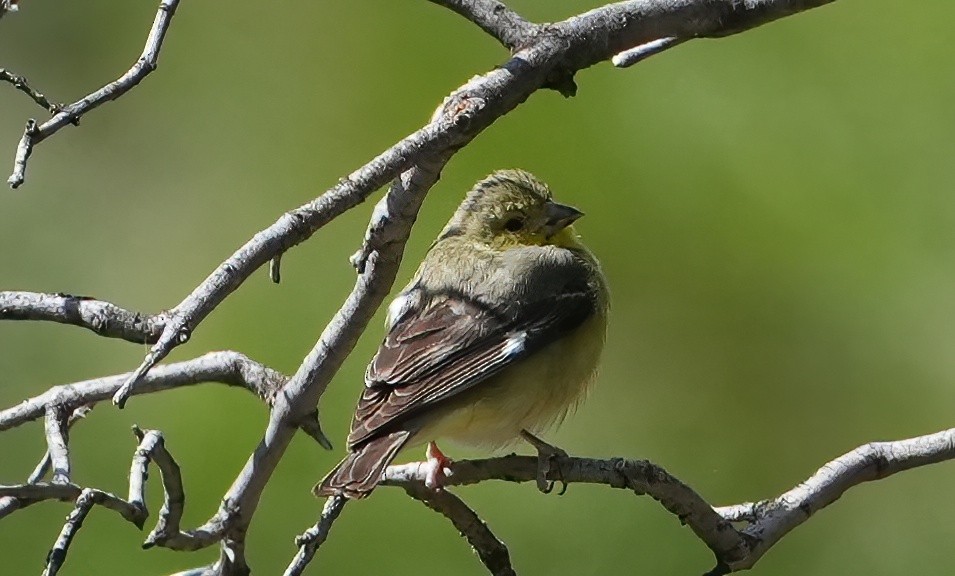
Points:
[(548, 463), (438, 466)]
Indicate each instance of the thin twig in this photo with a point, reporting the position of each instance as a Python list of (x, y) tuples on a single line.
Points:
[(492, 552), (309, 541), (275, 269), (638, 54), (101, 317), (69, 114), (57, 554), (23, 85)]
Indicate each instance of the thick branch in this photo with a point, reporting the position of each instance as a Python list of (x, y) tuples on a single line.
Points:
[(101, 317), (769, 520), (71, 113), (640, 476)]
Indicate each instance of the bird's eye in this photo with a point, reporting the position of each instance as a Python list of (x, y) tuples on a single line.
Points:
[(514, 224)]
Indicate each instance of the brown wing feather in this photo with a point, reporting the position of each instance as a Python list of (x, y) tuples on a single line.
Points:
[(448, 347)]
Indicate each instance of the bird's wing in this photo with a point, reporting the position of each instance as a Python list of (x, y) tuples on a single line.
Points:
[(432, 354)]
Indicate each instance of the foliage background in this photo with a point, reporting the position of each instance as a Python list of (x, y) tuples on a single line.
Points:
[(774, 212)]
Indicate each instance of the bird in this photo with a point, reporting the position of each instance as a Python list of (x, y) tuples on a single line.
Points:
[(496, 337)]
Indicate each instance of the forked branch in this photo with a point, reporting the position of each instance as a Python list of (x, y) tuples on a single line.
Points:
[(35, 133)]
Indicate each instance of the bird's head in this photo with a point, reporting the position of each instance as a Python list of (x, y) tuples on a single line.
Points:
[(512, 208)]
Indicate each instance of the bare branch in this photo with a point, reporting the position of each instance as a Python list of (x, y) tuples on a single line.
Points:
[(505, 25), (636, 55), (640, 476), (71, 113), (770, 520), (32, 493), (309, 542), (492, 552), (57, 555), (152, 448), (23, 85), (84, 503), (226, 367), (101, 317), (56, 440), (69, 492), (43, 466)]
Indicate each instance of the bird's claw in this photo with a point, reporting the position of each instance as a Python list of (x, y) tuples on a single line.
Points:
[(438, 467), (548, 464)]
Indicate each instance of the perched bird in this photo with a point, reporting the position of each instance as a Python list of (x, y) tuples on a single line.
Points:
[(499, 332)]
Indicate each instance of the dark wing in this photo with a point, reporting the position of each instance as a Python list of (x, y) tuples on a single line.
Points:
[(435, 353)]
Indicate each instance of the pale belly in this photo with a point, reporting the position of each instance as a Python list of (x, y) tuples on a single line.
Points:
[(532, 395)]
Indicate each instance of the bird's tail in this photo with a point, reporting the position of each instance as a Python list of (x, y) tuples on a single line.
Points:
[(358, 474)]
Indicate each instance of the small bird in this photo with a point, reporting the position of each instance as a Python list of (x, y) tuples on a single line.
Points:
[(495, 338)]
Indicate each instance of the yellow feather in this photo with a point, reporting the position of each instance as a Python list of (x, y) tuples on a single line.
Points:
[(533, 394)]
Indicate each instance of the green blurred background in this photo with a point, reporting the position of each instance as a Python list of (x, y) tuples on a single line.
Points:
[(774, 211)]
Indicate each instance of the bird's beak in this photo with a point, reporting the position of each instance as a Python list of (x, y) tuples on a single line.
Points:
[(559, 216)]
